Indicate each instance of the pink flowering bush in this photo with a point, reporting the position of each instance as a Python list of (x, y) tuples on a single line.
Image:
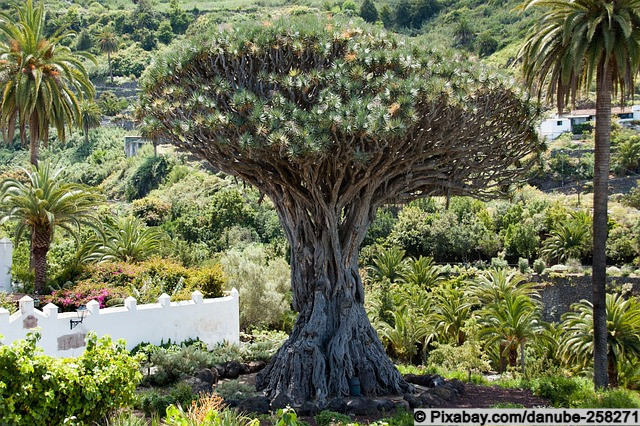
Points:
[(68, 300)]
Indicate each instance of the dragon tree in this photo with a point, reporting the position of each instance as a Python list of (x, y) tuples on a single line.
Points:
[(331, 121)]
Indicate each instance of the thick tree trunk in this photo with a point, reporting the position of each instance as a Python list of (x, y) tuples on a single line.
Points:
[(612, 372), (600, 221), (34, 144), (332, 341)]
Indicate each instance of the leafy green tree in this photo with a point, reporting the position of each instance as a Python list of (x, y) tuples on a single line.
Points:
[(422, 11), (495, 284), (623, 334), (84, 42), (41, 78), (486, 44), (386, 16), (178, 18), (573, 42), (44, 203), (402, 14), (368, 11), (109, 43), (91, 115), (165, 34), (331, 125)]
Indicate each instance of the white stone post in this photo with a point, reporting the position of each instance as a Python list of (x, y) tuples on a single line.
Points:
[(6, 255)]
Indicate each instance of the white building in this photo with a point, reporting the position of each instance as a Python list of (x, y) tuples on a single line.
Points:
[(551, 128)]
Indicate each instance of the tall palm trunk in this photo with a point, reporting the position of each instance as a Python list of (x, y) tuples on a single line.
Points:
[(40, 243), (34, 136), (110, 69), (600, 194)]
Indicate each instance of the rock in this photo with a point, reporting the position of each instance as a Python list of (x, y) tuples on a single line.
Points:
[(255, 366), (208, 375), (402, 405), (281, 401), (458, 385), (362, 406), (339, 405), (256, 404), (441, 392), (231, 403), (385, 405), (428, 400), (231, 369), (198, 385), (413, 400), (427, 380), (308, 409)]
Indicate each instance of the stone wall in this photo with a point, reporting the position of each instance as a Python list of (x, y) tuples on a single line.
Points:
[(559, 292)]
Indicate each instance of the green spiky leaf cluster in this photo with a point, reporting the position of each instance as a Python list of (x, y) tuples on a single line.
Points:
[(260, 99)]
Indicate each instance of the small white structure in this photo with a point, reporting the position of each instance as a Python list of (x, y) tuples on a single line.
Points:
[(6, 256), (63, 334), (132, 144), (554, 127)]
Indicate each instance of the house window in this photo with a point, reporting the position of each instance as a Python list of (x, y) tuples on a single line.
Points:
[(559, 123)]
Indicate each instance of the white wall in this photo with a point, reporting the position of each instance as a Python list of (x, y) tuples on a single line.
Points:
[(210, 320), (6, 255), (554, 127)]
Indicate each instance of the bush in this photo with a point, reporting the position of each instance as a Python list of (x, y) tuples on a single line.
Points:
[(233, 389), (210, 281), (328, 418), (263, 284), (155, 403), (562, 391), (523, 265), (177, 362), (148, 176), (539, 266), (36, 389), (68, 300)]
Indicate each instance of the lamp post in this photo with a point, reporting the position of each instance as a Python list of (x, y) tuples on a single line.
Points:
[(82, 313)]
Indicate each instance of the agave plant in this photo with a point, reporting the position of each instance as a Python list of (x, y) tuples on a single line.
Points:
[(623, 334)]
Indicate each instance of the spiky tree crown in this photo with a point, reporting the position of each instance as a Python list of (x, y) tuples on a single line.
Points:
[(299, 98)]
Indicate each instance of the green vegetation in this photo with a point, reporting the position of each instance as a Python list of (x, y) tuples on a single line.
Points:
[(438, 273), (41, 390)]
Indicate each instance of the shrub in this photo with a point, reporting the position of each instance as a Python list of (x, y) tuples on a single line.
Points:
[(178, 362), (328, 418), (68, 300), (155, 403), (151, 210), (263, 284), (6, 302), (562, 391), (210, 281), (539, 266), (36, 389), (233, 389), (148, 176), (523, 265)]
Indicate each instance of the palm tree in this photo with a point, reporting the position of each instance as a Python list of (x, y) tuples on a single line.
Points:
[(43, 204), (40, 77), (572, 42), (511, 323), (388, 264), (127, 240), (568, 240), (623, 334), (495, 284), (90, 115), (108, 42), (422, 272), (451, 310)]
